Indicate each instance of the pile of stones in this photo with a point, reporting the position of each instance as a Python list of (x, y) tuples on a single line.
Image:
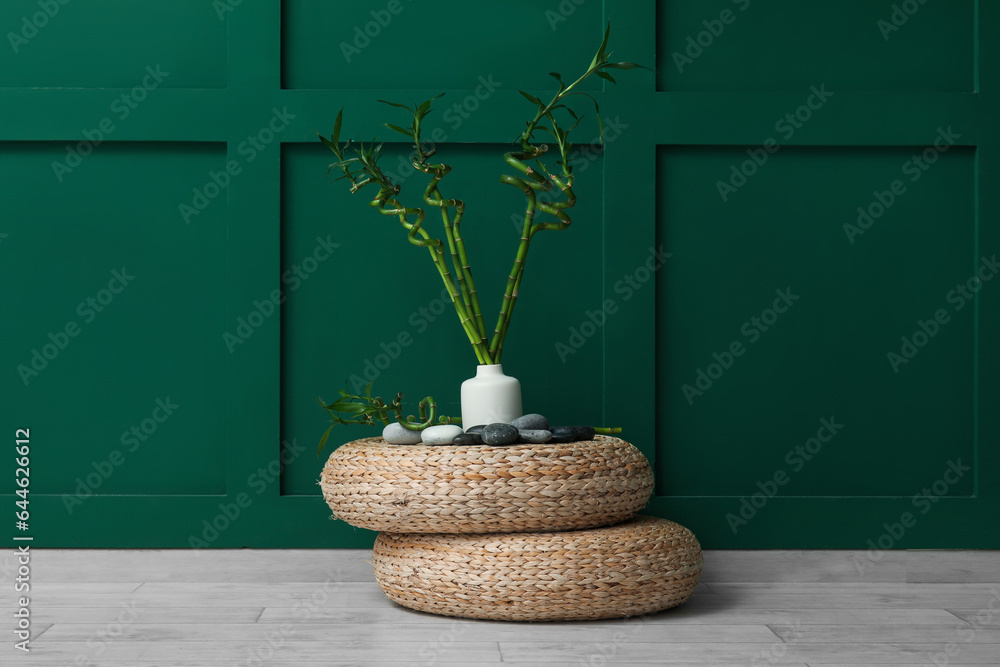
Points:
[(529, 429)]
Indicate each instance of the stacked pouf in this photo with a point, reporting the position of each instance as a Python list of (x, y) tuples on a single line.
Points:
[(523, 532)]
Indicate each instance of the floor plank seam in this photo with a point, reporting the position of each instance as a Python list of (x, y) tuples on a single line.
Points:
[(957, 617), (775, 633)]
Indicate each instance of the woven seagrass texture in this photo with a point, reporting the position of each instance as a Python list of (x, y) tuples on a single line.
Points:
[(486, 489), (638, 567)]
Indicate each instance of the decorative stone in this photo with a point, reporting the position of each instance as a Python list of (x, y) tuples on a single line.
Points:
[(397, 434), (563, 434), (535, 436), (532, 422), (583, 432), (440, 435), (499, 434), (476, 429), (468, 439)]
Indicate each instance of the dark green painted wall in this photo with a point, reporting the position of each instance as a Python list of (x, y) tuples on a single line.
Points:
[(174, 145)]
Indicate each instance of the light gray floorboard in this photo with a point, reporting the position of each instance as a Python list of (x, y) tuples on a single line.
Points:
[(683, 615), (462, 631), (781, 653), (303, 607)]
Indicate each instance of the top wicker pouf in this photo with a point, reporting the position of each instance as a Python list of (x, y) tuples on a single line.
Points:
[(486, 489)]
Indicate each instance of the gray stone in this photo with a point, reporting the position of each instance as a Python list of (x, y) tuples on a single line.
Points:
[(532, 422), (397, 434), (535, 436), (440, 435), (499, 434), (476, 429), (563, 434), (468, 439)]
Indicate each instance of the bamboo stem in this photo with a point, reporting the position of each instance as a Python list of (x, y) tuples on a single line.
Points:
[(437, 255)]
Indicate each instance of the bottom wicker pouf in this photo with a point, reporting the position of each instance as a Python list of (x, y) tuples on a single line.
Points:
[(637, 567)]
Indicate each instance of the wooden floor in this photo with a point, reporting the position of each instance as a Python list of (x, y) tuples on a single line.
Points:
[(309, 607)]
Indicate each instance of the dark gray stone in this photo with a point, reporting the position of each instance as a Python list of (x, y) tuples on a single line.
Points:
[(583, 432), (535, 436), (476, 429), (468, 439), (532, 422), (499, 434), (563, 434)]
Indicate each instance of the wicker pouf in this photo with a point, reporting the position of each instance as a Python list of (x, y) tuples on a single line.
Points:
[(486, 489), (641, 566)]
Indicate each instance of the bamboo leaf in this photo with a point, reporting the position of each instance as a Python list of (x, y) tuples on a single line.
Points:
[(532, 98), (336, 126), (600, 52), (425, 106), (322, 441), (396, 104), (397, 128), (606, 76)]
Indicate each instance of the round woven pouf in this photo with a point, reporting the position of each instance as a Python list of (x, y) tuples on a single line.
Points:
[(637, 567), (486, 489)]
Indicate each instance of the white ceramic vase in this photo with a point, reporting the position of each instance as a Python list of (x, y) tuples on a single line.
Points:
[(490, 397)]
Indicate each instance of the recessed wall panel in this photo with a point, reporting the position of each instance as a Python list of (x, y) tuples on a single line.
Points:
[(113, 318), (816, 320), (337, 44), (781, 45), (110, 44)]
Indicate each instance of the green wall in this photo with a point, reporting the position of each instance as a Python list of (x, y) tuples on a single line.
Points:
[(162, 188)]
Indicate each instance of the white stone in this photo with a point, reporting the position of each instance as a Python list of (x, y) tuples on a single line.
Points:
[(440, 435), (397, 434)]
